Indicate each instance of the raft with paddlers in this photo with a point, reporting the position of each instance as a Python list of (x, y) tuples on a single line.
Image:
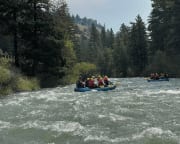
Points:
[(155, 77), (94, 84), (158, 80)]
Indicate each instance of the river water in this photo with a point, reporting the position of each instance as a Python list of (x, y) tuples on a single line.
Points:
[(136, 112)]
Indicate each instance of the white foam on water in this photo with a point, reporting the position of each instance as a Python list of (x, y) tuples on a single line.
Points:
[(102, 116), (105, 138), (96, 138), (5, 125), (145, 123), (36, 112), (150, 92), (13, 102), (115, 117), (93, 90), (173, 91), (50, 95), (17, 101), (66, 94), (55, 126), (125, 110), (47, 96), (154, 132)]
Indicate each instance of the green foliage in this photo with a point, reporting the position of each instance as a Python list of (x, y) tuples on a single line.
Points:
[(5, 75), (5, 90), (109, 38), (47, 44), (82, 68), (5, 62), (105, 62), (69, 54), (138, 46), (121, 52), (94, 45), (12, 81), (26, 84), (5, 43), (158, 26), (172, 43), (159, 63), (164, 33)]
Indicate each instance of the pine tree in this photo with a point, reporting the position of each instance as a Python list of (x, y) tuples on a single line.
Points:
[(110, 38), (121, 62), (10, 19), (103, 37), (138, 46), (35, 29), (159, 24), (164, 34), (94, 45), (173, 37)]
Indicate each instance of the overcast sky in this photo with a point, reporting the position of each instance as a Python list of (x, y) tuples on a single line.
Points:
[(112, 13)]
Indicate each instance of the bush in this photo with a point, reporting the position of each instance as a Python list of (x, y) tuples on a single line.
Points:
[(5, 90), (5, 75), (12, 81), (79, 68), (5, 62), (25, 84)]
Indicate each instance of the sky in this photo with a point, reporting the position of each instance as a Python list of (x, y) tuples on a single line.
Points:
[(111, 13)]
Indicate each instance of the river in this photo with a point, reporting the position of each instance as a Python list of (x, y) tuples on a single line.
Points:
[(136, 112)]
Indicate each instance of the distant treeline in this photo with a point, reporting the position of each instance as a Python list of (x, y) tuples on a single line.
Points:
[(47, 43)]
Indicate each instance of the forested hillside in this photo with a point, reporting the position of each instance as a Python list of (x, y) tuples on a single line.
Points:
[(136, 49), (49, 44)]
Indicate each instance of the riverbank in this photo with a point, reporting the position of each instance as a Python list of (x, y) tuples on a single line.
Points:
[(11, 79)]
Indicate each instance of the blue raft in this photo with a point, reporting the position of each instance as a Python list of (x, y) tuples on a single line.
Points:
[(110, 87), (158, 80)]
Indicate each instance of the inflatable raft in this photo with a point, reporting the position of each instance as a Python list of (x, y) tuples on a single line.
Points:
[(158, 80), (110, 87)]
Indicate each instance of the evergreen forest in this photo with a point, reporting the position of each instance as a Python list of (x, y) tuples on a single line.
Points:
[(43, 41)]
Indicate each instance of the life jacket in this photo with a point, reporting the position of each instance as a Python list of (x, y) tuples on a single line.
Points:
[(91, 83)]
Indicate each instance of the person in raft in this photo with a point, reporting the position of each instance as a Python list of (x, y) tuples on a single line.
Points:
[(80, 83), (106, 80), (100, 81)]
